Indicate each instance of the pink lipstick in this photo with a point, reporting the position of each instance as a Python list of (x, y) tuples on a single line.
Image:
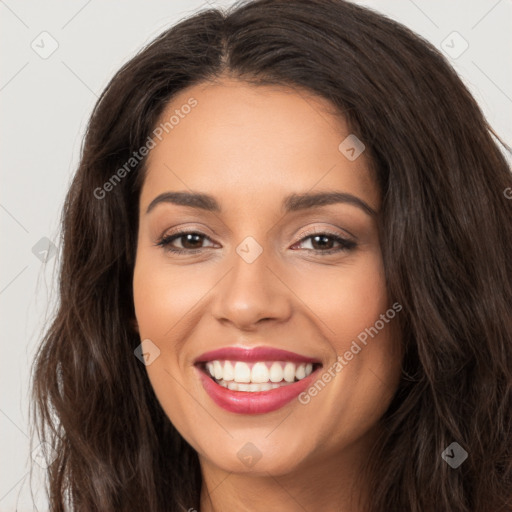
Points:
[(257, 380)]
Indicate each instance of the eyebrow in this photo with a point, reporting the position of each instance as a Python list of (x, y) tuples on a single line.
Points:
[(292, 203)]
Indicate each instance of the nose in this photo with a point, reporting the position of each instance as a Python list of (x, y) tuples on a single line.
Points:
[(250, 294)]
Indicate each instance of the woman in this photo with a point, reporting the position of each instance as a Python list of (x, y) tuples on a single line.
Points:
[(286, 278)]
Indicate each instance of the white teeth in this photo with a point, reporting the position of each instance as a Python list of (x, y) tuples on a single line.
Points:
[(276, 372), (251, 388), (217, 370), (289, 372), (229, 371), (242, 372), (259, 373)]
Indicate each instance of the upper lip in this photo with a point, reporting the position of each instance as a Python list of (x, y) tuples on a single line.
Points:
[(253, 354)]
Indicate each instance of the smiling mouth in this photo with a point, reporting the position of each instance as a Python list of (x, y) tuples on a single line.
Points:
[(256, 376)]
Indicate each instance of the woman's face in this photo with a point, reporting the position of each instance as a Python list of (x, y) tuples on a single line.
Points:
[(270, 266)]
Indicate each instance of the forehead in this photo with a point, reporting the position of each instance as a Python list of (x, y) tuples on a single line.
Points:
[(263, 141)]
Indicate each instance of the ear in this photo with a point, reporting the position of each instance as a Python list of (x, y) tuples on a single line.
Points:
[(134, 324)]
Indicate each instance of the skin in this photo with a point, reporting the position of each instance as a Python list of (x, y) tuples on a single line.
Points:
[(251, 146)]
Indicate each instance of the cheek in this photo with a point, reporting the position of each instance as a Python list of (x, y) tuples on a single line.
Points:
[(164, 294), (347, 302), (346, 298), (164, 297)]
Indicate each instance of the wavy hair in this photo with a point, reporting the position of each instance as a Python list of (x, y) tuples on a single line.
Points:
[(446, 237)]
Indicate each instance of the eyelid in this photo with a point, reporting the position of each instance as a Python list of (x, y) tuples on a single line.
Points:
[(187, 228), (328, 231)]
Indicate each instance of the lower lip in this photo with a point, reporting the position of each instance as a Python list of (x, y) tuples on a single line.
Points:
[(259, 402)]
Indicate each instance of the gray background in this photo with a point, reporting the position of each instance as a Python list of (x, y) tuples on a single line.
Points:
[(46, 101)]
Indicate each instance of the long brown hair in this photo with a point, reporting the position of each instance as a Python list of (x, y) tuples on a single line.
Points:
[(446, 237)]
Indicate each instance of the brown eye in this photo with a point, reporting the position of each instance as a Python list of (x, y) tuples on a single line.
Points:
[(325, 243), (191, 242)]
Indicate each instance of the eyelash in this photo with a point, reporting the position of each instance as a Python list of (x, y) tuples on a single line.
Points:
[(346, 245)]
